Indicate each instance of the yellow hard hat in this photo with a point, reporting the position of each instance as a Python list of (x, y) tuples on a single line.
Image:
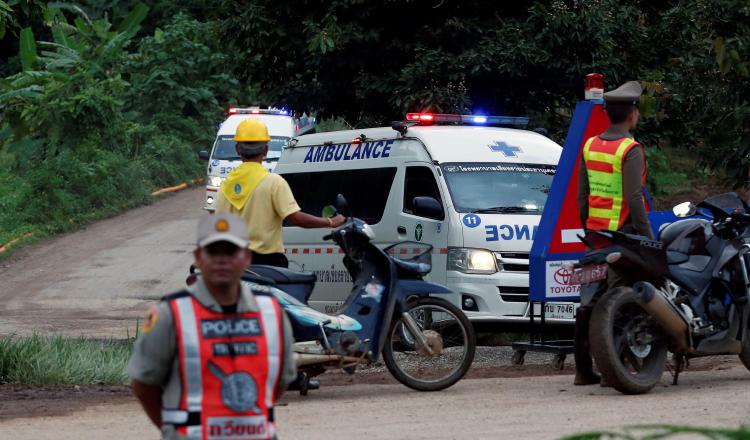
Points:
[(251, 130)]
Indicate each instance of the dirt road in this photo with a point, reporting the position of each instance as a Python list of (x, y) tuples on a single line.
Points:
[(97, 281), (498, 408)]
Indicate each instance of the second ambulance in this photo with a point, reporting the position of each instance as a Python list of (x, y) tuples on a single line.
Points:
[(464, 184), (223, 158)]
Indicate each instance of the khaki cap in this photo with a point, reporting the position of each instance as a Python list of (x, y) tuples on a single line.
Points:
[(628, 93), (222, 227)]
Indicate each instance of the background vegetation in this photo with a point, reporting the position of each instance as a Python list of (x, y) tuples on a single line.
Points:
[(102, 102), (45, 360), (659, 432)]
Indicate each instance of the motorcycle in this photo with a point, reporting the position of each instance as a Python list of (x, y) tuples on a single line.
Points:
[(686, 293), (427, 343)]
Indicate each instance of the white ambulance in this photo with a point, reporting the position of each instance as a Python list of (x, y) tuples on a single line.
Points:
[(471, 189), (282, 126)]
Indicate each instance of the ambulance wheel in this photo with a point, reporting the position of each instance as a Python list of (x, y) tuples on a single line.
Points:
[(518, 357), (449, 336)]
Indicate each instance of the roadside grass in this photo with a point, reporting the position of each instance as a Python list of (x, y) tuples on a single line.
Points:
[(48, 360), (649, 432)]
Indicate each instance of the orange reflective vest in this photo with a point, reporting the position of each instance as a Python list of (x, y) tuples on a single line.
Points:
[(604, 160), (230, 366)]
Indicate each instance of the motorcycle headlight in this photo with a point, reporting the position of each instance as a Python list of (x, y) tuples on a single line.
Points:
[(216, 181), (474, 261)]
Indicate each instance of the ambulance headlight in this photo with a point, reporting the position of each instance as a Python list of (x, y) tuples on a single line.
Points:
[(216, 181), (476, 261)]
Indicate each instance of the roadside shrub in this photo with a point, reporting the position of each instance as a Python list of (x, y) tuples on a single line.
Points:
[(47, 360), (90, 127)]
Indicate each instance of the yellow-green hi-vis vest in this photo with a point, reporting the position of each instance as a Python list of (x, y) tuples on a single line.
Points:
[(604, 161)]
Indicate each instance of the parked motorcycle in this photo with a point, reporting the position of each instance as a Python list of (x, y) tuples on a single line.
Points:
[(687, 293), (427, 343)]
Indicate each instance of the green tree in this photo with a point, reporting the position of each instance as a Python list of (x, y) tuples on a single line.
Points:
[(706, 99)]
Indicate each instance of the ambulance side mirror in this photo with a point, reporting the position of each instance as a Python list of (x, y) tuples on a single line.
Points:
[(428, 207), (203, 155)]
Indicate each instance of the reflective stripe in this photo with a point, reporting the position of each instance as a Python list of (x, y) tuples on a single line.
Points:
[(195, 432), (271, 328), (599, 213), (174, 416), (192, 353), (602, 157)]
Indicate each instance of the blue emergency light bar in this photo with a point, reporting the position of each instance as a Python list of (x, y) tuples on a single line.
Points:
[(256, 111), (447, 119)]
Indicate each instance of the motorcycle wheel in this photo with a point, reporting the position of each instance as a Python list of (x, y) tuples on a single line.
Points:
[(450, 335), (629, 348)]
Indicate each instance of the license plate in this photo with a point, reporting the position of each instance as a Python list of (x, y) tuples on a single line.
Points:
[(589, 273), (554, 310)]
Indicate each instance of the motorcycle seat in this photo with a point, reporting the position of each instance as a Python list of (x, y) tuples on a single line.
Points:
[(282, 275), (676, 257), (420, 269)]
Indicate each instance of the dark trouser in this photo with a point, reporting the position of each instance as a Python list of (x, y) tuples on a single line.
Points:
[(277, 259), (582, 351)]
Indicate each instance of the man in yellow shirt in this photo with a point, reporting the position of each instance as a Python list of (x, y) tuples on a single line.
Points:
[(264, 200)]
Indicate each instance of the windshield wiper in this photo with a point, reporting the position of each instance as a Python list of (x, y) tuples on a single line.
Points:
[(503, 210)]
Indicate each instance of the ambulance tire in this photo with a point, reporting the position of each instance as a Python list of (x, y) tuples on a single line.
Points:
[(470, 347)]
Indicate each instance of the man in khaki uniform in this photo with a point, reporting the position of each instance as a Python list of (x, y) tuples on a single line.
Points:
[(611, 179), (155, 366), (264, 200)]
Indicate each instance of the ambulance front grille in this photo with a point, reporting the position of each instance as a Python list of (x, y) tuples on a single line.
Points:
[(514, 294), (513, 261)]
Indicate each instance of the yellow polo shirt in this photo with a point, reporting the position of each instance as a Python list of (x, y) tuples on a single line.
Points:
[(269, 204)]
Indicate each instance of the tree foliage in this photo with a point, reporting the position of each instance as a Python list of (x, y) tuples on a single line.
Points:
[(371, 61), (101, 101), (93, 122)]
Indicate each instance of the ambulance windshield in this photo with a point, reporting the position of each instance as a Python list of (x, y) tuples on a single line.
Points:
[(501, 188), (224, 148)]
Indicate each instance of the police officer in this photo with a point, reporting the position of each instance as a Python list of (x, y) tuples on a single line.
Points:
[(263, 199), (212, 359), (611, 179)]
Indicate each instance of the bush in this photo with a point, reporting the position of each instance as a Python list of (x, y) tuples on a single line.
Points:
[(89, 128)]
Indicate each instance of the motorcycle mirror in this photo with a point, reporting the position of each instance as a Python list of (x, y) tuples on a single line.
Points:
[(685, 209), (328, 212), (342, 205)]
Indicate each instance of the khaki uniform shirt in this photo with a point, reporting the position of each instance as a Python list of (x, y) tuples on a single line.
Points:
[(155, 360), (632, 187), (270, 203)]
